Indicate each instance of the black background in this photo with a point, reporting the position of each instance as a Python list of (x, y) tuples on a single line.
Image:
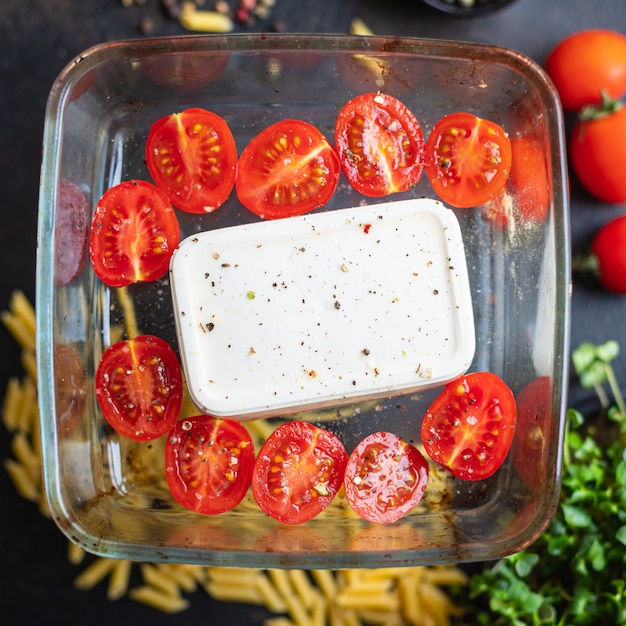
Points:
[(37, 39)]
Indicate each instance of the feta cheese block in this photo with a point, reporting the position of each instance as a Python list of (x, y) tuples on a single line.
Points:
[(323, 309)]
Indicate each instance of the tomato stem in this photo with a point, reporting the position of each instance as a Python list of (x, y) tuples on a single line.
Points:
[(607, 107)]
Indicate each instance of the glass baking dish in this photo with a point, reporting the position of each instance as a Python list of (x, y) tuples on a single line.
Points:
[(109, 494)]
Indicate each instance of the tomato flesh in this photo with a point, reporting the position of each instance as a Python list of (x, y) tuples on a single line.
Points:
[(70, 384), (469, 427), (288, 169), (139, 387), (298, 472), (71, 231), (380, 145), (386, 478), (134, 232), (208, 463), (192, 156), (468, 159), (534, 416)]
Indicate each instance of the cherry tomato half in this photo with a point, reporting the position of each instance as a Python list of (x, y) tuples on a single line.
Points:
[(208, 463), (380, 144), (288, 169), (192, 156), (469, 427), (71, 230), (134, 232), (468, 159), (586, 63), (597, 156), (70, 385), (534, 416), (385, 478), (139, 387), (298, 472)]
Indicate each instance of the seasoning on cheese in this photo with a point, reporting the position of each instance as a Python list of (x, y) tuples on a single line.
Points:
[(323, 309)]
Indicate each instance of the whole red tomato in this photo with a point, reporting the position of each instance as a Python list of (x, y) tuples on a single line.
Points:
[(587, 63), (598, 152), (608, 249)]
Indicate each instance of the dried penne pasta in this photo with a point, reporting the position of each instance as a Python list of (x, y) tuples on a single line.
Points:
[(155, 577), (118, 580), (75, 554), (94, 573), (153, 597), (22, 480)]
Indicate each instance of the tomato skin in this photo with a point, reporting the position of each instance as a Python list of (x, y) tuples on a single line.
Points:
[(134, 232), (596, 156), (288, 169), (386, 478), (298, 472), (208, 463), (468, 159), (470, 426), (534, 413), (608, 247), (71, 230), (70, 385), (380, 144), (139, 387), (586, 63), (192, 156)]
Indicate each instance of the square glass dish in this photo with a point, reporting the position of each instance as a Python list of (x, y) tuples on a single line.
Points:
[(108, 493)]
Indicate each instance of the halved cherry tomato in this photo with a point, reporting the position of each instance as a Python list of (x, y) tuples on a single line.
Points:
[(527, 197), (70, 385), (596, 155), (192, 156), (134, 232), (289, 168), (585, 64), (468, 159), (534, 417), (139, 387), (71, 231), (380, 144), (469, 427), (298, 472), (208, 463), (385, 478)]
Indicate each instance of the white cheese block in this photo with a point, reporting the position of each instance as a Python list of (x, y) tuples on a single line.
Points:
[(323, 309)]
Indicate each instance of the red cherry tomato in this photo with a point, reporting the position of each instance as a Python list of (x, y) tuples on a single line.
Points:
[(139, 387), (534, 416), (586, 63), (385, 478), (70, 384), (468, 159), (208, 463), (71, 230), (597, 155), (527, 197), (134, 232), (608, 249), (298, 472), (288, 169), (380, 144), (192, 156), (469, 427)]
